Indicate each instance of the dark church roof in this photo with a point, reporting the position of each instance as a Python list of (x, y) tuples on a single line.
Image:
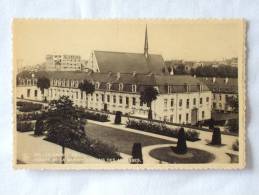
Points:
[(129, 62)]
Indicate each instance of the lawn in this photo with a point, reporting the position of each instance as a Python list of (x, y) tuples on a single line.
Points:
[(167, 154), (123, 140)]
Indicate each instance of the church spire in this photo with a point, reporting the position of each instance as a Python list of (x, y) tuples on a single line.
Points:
[(146, 44)]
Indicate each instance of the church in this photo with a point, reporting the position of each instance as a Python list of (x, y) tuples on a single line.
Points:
[(123, 62)]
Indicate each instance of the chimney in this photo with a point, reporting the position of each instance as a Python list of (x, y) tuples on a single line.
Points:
[(214, 79), (134, 73), (226, 80), (118, 75)]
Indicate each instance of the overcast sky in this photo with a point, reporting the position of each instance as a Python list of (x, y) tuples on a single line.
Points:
[(188, 40)]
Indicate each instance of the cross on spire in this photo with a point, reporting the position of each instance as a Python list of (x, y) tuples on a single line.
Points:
[(146, 44)]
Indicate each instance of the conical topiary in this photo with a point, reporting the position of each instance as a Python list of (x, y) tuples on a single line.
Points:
[(216, 137), (181, 147)]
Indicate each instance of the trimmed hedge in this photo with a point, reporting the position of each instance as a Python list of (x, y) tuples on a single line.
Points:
[(93, 116), (30, 116), (94, 148), (25, 126), (161, 129), (28, 106)]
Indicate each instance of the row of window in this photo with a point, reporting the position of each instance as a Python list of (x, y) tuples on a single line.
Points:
[(181, 102), (180, 117)]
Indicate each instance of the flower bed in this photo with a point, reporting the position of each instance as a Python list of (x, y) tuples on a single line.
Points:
[(25, 126), (28, 106), (161, 129), (94, 116)]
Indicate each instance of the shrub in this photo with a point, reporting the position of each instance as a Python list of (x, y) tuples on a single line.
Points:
[(137, 154), (94, 148), (28, 106), (25, 126), (192, 135), (118, 117), (94, 116), (181, 147), (235, 145), (39, 127), (233, 125), (216, 137), (160, 128), (31, 116)]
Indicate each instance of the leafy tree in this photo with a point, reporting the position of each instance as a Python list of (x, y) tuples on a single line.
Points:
[(233, 103), (86, 87), (62, 124), (181, 147), (43, 83), (148, 95)]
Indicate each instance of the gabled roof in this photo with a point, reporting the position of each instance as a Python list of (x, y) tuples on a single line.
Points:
[(129, 62)]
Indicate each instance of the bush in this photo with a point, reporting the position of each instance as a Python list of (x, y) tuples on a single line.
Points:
[(137, 154), (160, 128), (94, 148), (181, 147), (216, 137), (118, 117), (192, 135), (28, 106), (25, 126), (39, 127), (235, 145), (31, 116), (94, 116), (233, 125)]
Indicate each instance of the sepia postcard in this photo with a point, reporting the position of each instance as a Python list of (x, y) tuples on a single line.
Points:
[(129, 94)]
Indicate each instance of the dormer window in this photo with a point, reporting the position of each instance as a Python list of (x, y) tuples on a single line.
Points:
[(97, 85), (76, 84), (120, 86), (108, 86), (134, 88), (72, 83)]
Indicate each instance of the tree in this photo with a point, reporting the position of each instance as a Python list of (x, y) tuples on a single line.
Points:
[(86, 87), (43, 83), (216, 136), (232, 101), (181, 147), (148, 95), (62, 124)]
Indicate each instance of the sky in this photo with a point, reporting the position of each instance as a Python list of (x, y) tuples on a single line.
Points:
[(173, 39)]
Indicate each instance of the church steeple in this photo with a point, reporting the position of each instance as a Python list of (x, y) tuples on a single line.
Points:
[(146, 44)]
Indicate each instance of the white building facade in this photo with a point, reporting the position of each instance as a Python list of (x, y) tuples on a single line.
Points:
[(183, 103)]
